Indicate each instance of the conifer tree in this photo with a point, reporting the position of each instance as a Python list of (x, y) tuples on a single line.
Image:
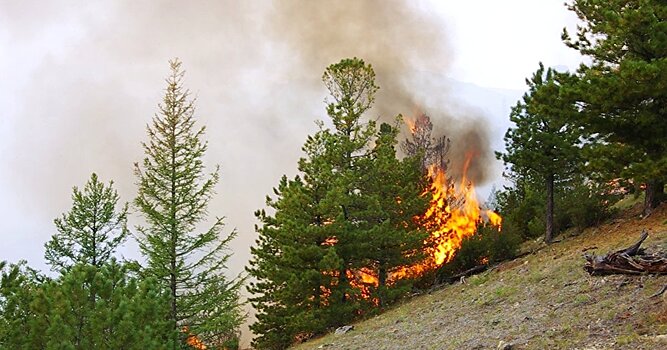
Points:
[(392, 190), (543, 144), (173, 196), (344, 220), (40, 313), (432, 151), (621, 94), (91, 231)]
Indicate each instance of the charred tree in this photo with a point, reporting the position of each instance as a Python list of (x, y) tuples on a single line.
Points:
[(432, 150)]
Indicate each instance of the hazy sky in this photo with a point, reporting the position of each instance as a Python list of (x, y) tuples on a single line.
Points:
[(79, 80)]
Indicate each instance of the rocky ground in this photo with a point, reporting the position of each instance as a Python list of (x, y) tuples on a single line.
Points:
[(543, 300)]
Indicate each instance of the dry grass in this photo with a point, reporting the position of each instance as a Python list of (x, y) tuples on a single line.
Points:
[(544, 300)]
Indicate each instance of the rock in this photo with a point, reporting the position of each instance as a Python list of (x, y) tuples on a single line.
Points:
[(662, 338), (343, 329), (502, 345)]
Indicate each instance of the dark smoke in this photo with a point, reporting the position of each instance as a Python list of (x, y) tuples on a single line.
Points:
[(408, 48)]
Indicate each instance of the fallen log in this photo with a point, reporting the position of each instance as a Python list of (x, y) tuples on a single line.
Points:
[(632, 261)]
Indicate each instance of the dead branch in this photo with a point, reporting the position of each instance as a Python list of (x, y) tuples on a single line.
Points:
[(631, 261), (659, 293)]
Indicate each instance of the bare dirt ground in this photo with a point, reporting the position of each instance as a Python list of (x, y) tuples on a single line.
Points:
[(544, 300)]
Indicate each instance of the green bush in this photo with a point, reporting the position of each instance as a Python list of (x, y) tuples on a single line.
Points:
[(578, 203), (488, 246), (522, 208), (583, 205)]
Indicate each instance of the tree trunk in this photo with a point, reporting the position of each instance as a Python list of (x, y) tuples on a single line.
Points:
[(382, 281), (549, 233), (655, 193)]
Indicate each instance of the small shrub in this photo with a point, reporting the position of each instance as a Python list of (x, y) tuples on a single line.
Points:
[(585, 204), (487, 246)]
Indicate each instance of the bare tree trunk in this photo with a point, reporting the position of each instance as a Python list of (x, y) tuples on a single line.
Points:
[(549, 234), (655, 193)]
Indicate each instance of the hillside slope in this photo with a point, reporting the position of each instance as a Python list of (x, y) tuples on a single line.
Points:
[(544, 300)]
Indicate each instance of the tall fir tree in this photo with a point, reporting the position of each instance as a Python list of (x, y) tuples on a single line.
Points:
[(622, 93), (542, 146), (324, 255), (91, 231), (173, 196)]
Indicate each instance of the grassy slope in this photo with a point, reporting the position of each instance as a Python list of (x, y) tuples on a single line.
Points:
[(544, 300)]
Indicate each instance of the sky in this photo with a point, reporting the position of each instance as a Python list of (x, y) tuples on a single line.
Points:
[(79, 81)]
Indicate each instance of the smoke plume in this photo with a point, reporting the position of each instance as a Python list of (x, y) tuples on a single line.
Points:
[(408, 48)]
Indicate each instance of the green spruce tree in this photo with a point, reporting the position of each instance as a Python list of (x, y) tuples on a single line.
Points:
[(173, 195), (91, 231), (621, 94), (542, 146)]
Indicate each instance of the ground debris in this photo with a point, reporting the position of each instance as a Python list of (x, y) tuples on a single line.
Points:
[(631, 261)]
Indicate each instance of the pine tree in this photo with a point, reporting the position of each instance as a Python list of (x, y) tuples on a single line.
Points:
[(173, 196), (289, 262), (91, 231), (432, 151), (344, 220), (392, 190), (622, 94), (41, 313), (543, 145)]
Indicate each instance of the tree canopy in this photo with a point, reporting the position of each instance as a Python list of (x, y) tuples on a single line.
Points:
[(543, 145), (336, 231)]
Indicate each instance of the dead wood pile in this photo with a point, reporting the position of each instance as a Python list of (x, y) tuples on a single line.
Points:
[(632, 260)]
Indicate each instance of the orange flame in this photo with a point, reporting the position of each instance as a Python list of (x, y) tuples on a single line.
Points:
[(192, 340), (453, 215), (411, 123)]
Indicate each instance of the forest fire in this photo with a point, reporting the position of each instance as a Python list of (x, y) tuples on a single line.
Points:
[(453, 215), (192, 340)]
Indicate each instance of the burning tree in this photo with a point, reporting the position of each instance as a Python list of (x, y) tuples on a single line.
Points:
[(353, 230), (454, 212), (339, 229), (432, 151)]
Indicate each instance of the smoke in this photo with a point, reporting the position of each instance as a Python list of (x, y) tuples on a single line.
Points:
[(408, 47)]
